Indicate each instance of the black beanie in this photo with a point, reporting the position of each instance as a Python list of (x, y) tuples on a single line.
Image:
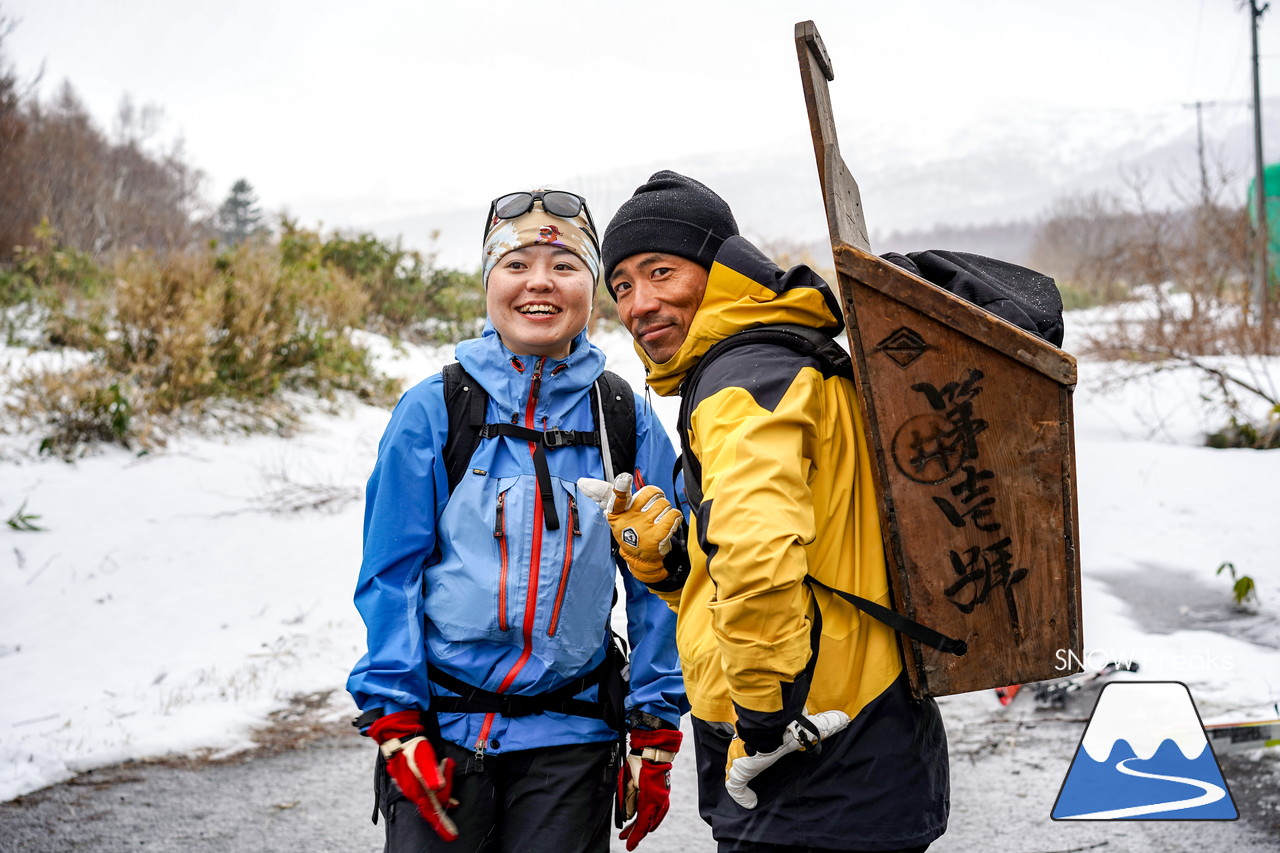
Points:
[(670, 214)]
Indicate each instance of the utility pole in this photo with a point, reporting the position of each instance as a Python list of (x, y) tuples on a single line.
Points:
[(1261, 291), (1204, 172)]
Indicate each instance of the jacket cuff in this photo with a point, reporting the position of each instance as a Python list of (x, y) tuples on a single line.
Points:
[(400, 725), (641, 720), (676, 564), (762, 731)]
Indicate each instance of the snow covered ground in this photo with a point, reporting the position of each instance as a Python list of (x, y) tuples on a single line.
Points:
[(173, 600)]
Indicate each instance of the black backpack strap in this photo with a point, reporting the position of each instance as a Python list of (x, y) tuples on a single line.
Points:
[(613, 406), (896, 621), (476, 700), (543, 440), (802, 339), (538, 438), (834, 360), (548, 438), (466, 401)]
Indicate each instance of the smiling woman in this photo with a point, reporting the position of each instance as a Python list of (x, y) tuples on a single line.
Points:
[(539, 299), (541, 263), (491, 682)]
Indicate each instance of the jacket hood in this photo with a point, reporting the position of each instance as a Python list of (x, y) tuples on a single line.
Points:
[(744, 290), (506, 376)]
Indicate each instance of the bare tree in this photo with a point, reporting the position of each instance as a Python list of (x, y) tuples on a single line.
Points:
[(1085, 241), (1188, 270), (100, 195), (16, 217)]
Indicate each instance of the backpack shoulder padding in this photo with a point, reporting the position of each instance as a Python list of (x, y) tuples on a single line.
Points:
[(618, 434), (466, 402), (831, 357)]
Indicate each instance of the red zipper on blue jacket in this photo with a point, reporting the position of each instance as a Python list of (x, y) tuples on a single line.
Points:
[(535, 559), (500, 533), (575, 530)]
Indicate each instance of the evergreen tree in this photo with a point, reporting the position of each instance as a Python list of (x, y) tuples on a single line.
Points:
[(239, 218)]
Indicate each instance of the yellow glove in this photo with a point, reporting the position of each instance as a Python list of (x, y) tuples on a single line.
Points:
[(644, 524)]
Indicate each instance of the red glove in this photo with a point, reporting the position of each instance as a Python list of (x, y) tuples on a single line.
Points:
[(644, 781), (411, 761)]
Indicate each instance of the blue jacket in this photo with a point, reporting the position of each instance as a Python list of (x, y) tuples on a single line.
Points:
[(447, 579)]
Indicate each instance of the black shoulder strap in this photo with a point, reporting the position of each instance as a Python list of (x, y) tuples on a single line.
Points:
[(801, 339), (618, 426), (834, 359), (466, 401), (476, 700), (896, 621)]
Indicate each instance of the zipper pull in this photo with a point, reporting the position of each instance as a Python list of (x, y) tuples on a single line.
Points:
[(536, 383), (573, 514), (497, 521)]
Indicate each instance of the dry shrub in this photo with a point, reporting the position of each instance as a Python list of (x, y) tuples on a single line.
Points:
[(1192, 268), (787, 253), (1185, 267), (410, 297), (1188, 271), (43, 280), (76, 408), (1186, 275), (198, 335), (192, 327)]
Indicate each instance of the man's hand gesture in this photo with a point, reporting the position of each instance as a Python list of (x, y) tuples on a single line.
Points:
[(645, 525)]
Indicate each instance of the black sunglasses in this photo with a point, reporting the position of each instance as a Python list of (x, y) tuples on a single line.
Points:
[(560, 203)]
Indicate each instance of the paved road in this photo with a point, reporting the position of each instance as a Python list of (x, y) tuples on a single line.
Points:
[(1006, 774)]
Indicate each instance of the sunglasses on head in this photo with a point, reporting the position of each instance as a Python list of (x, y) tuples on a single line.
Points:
[(560, 203)]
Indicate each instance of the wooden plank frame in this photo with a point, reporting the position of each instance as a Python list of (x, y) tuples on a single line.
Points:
[(970, 419)]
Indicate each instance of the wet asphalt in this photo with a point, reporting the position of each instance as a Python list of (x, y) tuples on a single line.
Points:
[(1006, 773)]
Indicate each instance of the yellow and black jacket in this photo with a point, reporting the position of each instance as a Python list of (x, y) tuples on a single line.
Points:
[(787, 492)]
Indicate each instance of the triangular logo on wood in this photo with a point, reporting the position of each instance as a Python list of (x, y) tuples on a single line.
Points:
[(970, 419)]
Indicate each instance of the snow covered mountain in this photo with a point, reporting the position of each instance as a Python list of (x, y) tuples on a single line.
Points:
[(915, 175), (1144, 717)]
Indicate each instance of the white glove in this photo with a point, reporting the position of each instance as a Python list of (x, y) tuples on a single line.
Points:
[(742, 768), (605, 494), (644, 524)]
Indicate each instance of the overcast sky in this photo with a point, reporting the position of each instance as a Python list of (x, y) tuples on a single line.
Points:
[(351, 113)]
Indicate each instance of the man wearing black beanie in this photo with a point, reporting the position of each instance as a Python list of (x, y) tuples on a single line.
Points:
[(779, 480), (669, 213)]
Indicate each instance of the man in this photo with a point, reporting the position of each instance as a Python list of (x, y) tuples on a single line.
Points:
[(806, 734)]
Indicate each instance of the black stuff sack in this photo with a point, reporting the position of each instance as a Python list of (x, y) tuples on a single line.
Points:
[(1026, 298)]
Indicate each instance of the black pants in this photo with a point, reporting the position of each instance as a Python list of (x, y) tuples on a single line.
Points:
[(879, 785), (556, 799)]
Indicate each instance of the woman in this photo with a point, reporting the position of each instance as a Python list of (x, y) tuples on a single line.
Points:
[(486, 588)]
